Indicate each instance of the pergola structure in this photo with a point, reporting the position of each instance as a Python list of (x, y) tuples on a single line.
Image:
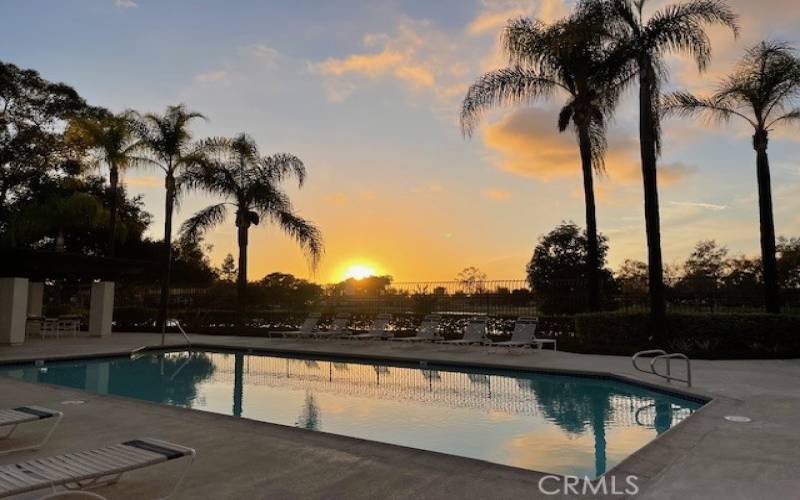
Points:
[(24, 272)]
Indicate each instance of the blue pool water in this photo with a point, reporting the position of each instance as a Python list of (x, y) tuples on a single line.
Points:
[(551, 423)]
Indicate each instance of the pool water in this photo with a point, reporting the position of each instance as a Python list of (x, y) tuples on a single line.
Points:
[(558, 424)]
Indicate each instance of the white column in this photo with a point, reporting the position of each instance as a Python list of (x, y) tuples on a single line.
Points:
[(35, 298), (101, 309), (13, 310)]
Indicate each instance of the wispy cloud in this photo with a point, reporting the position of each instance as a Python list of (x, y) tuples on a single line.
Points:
[(336, 199), (696, 204), (496, 194), (266, 55), (490, 21), (398, 58), (125, 4), (212, 77)]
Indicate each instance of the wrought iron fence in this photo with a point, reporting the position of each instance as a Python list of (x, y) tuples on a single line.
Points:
[(215, 306)]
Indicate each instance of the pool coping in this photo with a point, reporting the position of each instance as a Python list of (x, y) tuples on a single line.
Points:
[(625, 464)]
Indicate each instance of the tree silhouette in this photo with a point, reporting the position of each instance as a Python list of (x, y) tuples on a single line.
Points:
[(645, 41), (761, 92), (250, 183), (569, 57), (167, 142), (112, 139)]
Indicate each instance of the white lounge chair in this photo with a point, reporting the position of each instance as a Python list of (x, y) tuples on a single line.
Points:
[(428, 330), (14, 417), (338, 328), (377, 330), (307, 329), (524, 334), (530, 323), (475, 333), (90, 469)]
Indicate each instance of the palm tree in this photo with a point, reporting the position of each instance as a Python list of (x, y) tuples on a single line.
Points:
[(167, 140), (760, 92), (250, 183), (677, 28), (568, 57), (113, 141)]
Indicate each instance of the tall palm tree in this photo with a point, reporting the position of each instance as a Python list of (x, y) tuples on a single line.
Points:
[(167, 141), (112, 139), (567, 57), (676, 28), (761, 91), (249, 183)]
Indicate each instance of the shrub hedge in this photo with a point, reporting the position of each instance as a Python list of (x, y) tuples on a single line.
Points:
[(699, 335)]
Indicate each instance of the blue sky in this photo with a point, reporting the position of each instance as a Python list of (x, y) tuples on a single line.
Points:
[(367, 94)]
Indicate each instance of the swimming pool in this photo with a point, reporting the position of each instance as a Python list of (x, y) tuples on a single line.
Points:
[(558, 424)]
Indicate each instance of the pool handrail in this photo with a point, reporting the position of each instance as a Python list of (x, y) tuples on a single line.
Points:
[(662, 354), (180, 329)]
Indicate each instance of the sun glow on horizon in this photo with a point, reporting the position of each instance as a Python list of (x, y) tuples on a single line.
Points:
[(359, 271)]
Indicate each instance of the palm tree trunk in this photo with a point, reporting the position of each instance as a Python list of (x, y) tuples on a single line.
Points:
[(163, 309), (241, 281), (768, 251), (113, 178), (592, 244), (238, 384), (647, 139)]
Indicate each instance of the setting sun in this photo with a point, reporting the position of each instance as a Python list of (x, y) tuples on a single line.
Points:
[(359, 271)]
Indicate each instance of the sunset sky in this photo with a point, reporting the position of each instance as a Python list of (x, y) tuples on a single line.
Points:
[(367, 93)]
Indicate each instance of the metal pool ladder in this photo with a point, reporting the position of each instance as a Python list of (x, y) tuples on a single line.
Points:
[(668, 357), (180, 329)]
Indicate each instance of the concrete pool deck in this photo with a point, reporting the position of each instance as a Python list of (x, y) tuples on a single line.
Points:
[(706, 457)]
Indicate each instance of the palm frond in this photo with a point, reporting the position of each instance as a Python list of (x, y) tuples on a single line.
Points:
[(281, 165), (791, 117), (711, 109), (194, 227), (503, 87), (565, 116), (304, 233), (680, 28), (599, 143)]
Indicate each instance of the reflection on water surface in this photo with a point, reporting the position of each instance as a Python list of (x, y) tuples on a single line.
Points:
[(551, 423)]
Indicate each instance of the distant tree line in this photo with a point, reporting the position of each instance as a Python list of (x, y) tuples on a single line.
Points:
[(557, 274), (61, 186), (603, 48)]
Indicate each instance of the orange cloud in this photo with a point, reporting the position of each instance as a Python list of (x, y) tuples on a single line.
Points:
[(496, 194), (398, 58), (491, 21), (337, 199), (529, 145), (371, 65)]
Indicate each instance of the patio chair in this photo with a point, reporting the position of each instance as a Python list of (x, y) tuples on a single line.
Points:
[(538, 342), (475, 333), (524, 334), (377, 330), (69, 324), (338, 328), (307, 329), (14, 417), (90, 469), (49, 327), (428, 330)]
